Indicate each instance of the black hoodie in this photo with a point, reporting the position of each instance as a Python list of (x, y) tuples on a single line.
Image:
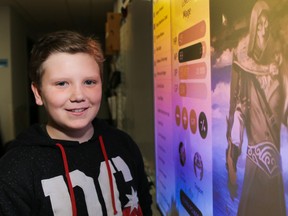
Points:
[(103, 176)]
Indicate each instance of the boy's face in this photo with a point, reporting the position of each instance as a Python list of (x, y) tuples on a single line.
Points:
[(71, 91)]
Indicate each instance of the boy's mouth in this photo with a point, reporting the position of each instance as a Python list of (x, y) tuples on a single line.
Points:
[(77, 110)]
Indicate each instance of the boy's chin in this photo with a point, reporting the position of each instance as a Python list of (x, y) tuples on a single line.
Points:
[(80, 126)]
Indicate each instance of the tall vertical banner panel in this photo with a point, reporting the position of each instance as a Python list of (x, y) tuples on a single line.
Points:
[(221, 107)]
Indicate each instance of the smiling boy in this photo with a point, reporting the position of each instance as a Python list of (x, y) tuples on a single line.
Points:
[(71, 98), (71, 166)]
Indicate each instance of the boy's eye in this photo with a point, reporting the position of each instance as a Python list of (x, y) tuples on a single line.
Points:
[(90, 82), (62, 83)]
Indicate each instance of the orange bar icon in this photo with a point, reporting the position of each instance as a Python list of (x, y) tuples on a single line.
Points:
[(193, 90), (193, 33), (193, 71)]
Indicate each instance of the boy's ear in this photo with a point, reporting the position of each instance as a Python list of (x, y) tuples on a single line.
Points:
[(37, 94)]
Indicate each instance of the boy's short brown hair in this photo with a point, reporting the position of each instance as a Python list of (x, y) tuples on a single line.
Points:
[(62, 42)]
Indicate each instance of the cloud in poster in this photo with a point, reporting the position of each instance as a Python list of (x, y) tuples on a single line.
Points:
[(224, 60), (220, 100)]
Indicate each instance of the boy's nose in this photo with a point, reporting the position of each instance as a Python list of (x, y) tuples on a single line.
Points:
[(77, 94)]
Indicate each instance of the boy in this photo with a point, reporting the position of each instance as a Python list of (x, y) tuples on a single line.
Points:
[(70, 165)]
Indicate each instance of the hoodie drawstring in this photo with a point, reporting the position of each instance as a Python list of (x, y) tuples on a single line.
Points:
[(109, 173), (67, 174)]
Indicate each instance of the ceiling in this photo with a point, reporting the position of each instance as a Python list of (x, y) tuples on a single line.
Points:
[(41, 16)]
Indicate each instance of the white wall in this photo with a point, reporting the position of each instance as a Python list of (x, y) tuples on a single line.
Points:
[(135, 61), (6, 110), (20, 81), (13, 79)]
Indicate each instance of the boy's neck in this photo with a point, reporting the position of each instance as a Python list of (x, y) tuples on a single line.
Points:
[(73, 135)]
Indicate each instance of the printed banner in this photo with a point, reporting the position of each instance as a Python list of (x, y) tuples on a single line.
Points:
[(221, 107)]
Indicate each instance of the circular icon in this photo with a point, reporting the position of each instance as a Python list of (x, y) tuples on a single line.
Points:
[(203, 125), (182, 153), (193, 121), (177, 115), (184, 118), (198, 166)]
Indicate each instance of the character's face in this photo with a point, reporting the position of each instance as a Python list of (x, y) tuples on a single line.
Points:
[(262, 30), (71, 91)]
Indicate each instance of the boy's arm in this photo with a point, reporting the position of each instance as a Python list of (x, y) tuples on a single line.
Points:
[(14, 186), (145, 198), (11, 202)]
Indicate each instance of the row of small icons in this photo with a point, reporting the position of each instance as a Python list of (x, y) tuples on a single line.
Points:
[(181, 117)]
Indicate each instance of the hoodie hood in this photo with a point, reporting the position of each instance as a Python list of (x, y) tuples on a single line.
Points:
[(36, 135)]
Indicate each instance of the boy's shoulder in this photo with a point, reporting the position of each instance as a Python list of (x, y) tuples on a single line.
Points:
[(103, 127), (34, 135), (112, 134)]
